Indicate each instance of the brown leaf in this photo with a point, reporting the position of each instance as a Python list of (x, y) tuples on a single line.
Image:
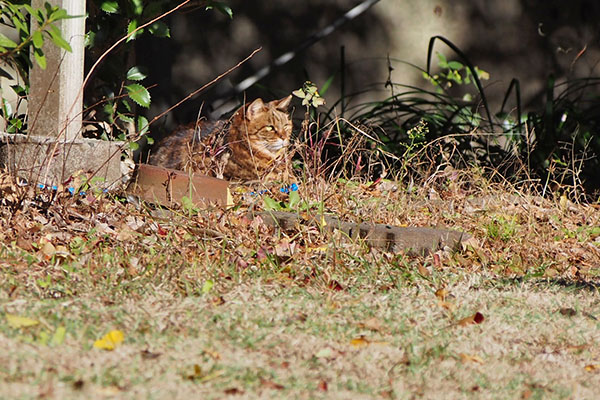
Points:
[(266, 383), (233, 391), (335, 285), (24, 243), (447, 305), (465, 358), (422, 270), (148, 355), (285, 249), (568, 312), (526, 394), (125, 234), (441, 293), (592, 367), (322, 386), (160, 230), (196, 374), (436, 261), (577, 348), (217, 300), (372, 324), (476, 318)]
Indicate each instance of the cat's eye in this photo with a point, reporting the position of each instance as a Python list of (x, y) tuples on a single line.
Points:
[(270, 128)]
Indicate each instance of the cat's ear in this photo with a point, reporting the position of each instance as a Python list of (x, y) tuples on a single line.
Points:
[(254, 108), (282, 104)]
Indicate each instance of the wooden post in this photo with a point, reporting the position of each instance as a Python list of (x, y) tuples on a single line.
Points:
[(55, 102)]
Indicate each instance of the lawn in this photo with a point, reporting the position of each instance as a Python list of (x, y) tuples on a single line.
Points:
[(210, 303)]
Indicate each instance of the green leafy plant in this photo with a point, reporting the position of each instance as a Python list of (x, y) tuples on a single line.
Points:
[(311, 99), (294, 203), (309, 94), (16, 16), (116, 92)]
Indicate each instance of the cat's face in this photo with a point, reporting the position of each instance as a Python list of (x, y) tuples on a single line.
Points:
[(267, 125)]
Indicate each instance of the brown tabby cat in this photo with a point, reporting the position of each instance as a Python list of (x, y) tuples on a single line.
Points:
[(250, 145)]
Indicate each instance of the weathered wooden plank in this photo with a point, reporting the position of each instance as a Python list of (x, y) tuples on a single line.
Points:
[(168, 186), (415, 240)]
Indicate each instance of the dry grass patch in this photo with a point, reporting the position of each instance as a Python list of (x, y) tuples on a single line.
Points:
[(213, 304), (270, 340)]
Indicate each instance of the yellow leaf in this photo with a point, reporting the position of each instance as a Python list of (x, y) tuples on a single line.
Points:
[(111, 340), (564, 201), (323, 222), (464, 358), (592, 367), (359, 342), (320, 249), (229, 200), (14, 321)]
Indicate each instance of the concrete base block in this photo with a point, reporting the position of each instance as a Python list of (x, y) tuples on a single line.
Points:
[(50, 161)]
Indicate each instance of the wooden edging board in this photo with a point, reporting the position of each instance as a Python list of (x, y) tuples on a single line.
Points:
[(167, 187), (415, 240)]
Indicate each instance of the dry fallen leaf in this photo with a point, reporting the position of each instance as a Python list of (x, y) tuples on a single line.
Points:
[(270, 384), (324, 353), (360, 341), (476, 318), (441, 293), (110, 341), (568, 312), (213, 354), (48, 249), (16, 322), (319, 249), (437, 261), (196, 374), (577, 348), (422, 270), (148, 355), (322, 386), (447, 305), (592, 367), (372, 324), (465, 358), (285, 249), (335, 285), (526, 394)]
